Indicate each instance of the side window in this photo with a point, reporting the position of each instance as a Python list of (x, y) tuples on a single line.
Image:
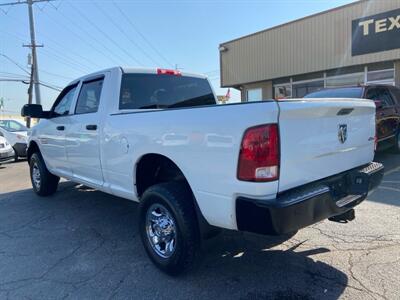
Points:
[(89, 97), (63, 103), (371, 94), (387, 98), (381, 94), (254, 95)]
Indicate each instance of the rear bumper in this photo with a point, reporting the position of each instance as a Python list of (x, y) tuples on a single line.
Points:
[(20, 149), (308, 204)]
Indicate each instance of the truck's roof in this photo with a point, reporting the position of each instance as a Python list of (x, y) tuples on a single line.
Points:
[(135, 70)]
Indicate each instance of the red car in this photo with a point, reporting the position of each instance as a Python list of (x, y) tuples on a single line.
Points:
[(387, 100)]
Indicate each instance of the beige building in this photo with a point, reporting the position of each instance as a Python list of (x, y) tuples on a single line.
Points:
[(358, 43)]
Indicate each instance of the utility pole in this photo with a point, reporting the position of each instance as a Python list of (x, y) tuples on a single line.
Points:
[(34, 56), (30, 94), (33, 46)]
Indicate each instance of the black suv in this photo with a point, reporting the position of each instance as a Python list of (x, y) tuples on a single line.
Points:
[(387, 100)]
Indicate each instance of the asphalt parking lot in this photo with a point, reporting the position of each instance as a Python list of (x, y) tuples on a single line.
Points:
[(81, 243)]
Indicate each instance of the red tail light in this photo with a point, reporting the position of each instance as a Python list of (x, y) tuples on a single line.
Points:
[(168, 72), (259, 154)]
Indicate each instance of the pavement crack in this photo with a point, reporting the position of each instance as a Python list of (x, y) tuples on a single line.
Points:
[(365, 288)]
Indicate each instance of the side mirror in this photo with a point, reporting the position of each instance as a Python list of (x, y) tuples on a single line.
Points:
[(378, 104), (34, 111)]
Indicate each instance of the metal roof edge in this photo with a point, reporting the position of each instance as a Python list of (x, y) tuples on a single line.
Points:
[(294, 21)]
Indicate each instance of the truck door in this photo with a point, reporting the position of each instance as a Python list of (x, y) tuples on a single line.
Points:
[(83, 135), (386, 116), (52, 138)]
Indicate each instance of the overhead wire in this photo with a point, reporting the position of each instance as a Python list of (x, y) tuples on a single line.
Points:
[(126, 35), (90, 35), (129, 21), (65, 58), (79, 37), (94, 25), (66, 55), (74, 66)]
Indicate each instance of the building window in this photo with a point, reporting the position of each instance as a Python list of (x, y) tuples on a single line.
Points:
[(254, 95), (283, 91), (345, 80), (302, 89), (381, 76)]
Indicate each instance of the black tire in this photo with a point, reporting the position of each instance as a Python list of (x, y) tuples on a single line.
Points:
[(48, 182), (15, 155), (177, 199), (396, 146)]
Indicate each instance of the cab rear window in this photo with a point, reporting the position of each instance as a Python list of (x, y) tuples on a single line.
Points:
[(146, 91)]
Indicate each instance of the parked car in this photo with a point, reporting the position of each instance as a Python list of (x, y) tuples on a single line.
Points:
[(387, 100), (16, 134), (6, 151), (157, 136)]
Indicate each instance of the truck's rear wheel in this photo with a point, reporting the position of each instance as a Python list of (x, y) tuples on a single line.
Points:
[(168, 227), (43, 182)]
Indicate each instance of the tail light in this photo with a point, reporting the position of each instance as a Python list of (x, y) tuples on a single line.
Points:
[(168, 72), (259, 154)]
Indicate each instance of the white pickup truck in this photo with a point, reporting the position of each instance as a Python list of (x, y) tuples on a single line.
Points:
[(157, 136)]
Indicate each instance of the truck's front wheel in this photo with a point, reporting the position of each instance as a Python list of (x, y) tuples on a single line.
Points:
[(168, 226), (43, 182)]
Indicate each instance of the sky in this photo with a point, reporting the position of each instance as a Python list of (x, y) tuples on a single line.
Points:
[(80, 37)]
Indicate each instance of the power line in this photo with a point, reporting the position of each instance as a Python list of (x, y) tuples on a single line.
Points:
[(9, 74), (22, 2), (74, 64), (76, 67), (26, 81), (142, 35), (15, 63), (65, 55), (53, 87), (104, 33), (71, 60), (61, 60), (125, 34), (92, 37), (76, 36), (33, 45), (56, 75)]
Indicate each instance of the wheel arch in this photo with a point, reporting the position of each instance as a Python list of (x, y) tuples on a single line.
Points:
[(32, 148), (154, 168)]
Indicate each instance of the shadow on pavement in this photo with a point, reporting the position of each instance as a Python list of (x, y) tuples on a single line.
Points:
[(84, 243), (389, 190)]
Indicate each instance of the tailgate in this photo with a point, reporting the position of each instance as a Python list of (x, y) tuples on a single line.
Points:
[(323, 137)]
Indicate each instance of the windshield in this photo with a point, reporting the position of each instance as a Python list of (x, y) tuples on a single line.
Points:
[(140, 91), (12, 126), (355, 92)]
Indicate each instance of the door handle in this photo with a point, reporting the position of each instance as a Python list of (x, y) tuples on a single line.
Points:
[(60, 128), (91, 127)]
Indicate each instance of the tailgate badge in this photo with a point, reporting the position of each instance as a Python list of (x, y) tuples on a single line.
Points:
[(342, 133)]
